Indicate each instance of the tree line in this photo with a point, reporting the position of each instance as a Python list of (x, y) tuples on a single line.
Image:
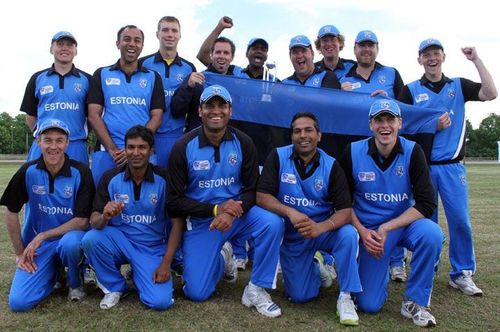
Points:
[(16, 138)]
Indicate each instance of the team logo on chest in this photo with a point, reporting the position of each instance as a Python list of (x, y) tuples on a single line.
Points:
[(179, 77), (399, 171), (122, 198), (315, 81), (288, 178), (451, 93), (201, 165), (421, 97), (153, 198), (318, 184), (39, 190), (382, 79), (366, 176), (46, 89), (68, 191), (143, 83), (112, 81), (78, 87), (233, 159)]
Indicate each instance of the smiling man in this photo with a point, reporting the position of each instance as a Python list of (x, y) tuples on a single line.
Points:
[(329, 43), (129, 220), (393, 197), (131, 95), (212, 175), (308, 188), (59, 192)]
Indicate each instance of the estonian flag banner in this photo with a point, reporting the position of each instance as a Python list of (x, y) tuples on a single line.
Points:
[(264, 111)]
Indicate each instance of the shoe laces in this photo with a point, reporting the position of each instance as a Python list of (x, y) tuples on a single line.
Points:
[(261, 296), (347, 305)]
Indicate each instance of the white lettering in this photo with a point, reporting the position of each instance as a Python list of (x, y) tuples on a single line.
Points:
[(62, 106), (138, 218), (390, 198), (215, 183), (128, 101), (299, 201), (51, 210)]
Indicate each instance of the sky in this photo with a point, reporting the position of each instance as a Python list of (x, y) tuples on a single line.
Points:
[(28, 27)]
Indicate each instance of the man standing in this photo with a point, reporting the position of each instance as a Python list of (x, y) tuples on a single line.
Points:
[(367, 75), (329, 43), (173, 69), (308, 188), (59, 92), (130, 93), (129, 220), (393, 197), (59, 192), (302, 57), (212, 174), (436, 90)]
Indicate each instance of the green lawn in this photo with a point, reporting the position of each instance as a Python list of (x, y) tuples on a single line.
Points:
[(224, 311)]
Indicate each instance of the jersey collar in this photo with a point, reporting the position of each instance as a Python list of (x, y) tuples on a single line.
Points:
[(64, 171), (159, 58), (204, 141), (149, 176), (73, 71), (117, 66)]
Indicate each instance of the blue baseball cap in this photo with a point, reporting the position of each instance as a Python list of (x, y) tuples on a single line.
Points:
[(299, 41), (328, 30), (215, 91), (52, 124), (384, 106), (254, 41), (64, 34), (428, 43), (366, 35)]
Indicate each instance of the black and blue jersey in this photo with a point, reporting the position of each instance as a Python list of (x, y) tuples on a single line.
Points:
[(381, 78), (343, 66), (318, 79)]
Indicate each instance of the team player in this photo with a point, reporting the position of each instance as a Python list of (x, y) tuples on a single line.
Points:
[(302, 57), (59, 92), (308, 188), (393, 197), (130, 94), (436, 90), (59, 192), (367, 75), (173, 70), (329, 43), (212, 175), (129, 220), (186, 100)]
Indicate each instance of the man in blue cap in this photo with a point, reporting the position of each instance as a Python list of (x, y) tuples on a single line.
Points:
[(59, 192), (302, 58), (392, 201), (329, 43), (449, 177), (212, 176), (59, 92)]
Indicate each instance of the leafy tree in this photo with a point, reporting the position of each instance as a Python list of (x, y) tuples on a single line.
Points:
[(482, 142)]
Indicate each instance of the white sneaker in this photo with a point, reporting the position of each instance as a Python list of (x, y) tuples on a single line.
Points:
[(257, 297), (241, 263), (326, 272), (421, 315), (89, 276), (76, 294), (230, 270), (466, 285), (398, 273), (110, 300), (346, 310)]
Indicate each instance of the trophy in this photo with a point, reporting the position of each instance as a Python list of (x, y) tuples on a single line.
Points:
[(269, 77)]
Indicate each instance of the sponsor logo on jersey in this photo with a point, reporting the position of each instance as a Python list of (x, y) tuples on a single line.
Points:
[(68, 191), (153, 198), (201, 165), (128, 101), (288, 178), (39, 190), (299, 201), (400, 171), (318, 184), (382, 79), (143, 83), (216, 183), (61, 106), (122, 198), (78, 87), (169, 93), (366, 176), (138, 218), (356, 85), (388, 198), (421, 97), (451, 93), (55, 209), (112, 81), (233, 159), (179, 77), (46, 89)]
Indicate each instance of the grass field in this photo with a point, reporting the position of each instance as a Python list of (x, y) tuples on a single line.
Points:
[(224, 311)]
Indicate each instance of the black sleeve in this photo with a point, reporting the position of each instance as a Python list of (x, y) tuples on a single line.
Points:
[(96, 95), (470, 90), (89, 78), (423, 191), (249, 171), (15, 195), (178, 205), (29, 104), (158, 97), (338, 190), (330, 80), (346, 163), (101, 197), (405, 96), (86, 192), (398, 83), (181, 100), (269, 179)]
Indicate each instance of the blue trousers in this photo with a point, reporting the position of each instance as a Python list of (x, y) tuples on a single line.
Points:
[(425, 239), (204, 264), (300, 271), (450, 181), (76, 150), (29, 289), (107, 249)]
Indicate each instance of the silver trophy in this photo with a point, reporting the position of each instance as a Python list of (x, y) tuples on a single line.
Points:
[(269, 77)]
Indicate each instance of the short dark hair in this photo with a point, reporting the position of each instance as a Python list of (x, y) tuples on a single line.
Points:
[(168, 19), (306, 115), (129, 26), (224, 40), (142, 132)]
